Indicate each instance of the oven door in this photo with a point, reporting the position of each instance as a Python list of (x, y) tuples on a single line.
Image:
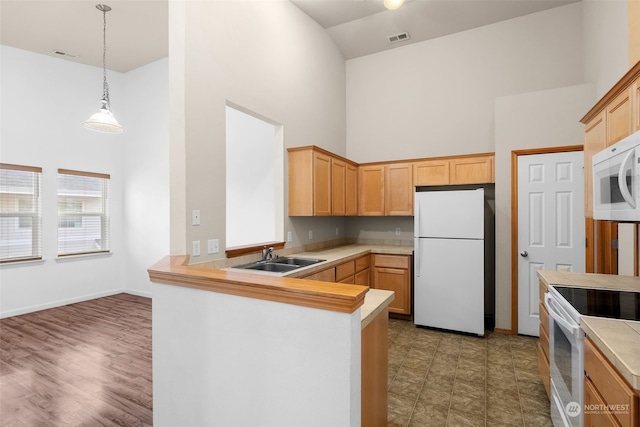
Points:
[(566, 354)]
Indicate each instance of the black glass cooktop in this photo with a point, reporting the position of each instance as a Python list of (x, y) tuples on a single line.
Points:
[(602, 302)]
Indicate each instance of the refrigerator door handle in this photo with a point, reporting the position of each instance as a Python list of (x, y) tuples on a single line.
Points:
[(417, 245)]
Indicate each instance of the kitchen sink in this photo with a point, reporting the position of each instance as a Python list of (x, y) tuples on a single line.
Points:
[(302, 262), (272, 266), (280, 264)]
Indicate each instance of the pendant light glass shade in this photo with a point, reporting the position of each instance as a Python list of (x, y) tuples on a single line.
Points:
[(393, 4), (103, 120)]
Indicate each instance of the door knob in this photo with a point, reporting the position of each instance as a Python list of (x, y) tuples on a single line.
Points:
[(524, 254)]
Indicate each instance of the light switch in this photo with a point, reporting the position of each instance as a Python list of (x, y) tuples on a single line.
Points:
[(289, 236), (213, 246), (195, 217)]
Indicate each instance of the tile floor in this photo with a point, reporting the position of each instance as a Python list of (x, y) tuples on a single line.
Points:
[(446, 379)]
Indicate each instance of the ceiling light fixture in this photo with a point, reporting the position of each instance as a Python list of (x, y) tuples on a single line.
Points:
[(103, 120), (393, 4)]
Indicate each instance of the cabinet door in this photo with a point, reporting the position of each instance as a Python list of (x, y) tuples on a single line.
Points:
[(431, 172), (301, 182), (321, 184), (351, 190), (396, 280), (371, 184), (338, 187), (594, 141), (363, 277), (596, 418), (472, 170), (619, 117), (635, 96), (399, 189)]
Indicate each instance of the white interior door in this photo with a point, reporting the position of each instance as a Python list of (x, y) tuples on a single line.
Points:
[(550, 225)]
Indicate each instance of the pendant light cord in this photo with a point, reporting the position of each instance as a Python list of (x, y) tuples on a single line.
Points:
[(105, 85)]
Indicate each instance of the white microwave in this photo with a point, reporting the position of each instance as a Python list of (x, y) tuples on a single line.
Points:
[(616, 181)]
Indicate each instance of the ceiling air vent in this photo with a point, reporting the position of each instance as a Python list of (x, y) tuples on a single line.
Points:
[(58, 52), (398, 37)]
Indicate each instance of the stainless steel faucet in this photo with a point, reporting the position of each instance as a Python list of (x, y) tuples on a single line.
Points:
[(267, 253)]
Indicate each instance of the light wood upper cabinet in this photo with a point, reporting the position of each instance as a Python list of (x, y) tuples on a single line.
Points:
[(620, 117), (371, 186), (338, 187), (399, 189), (472, 170), (594, 141), (351, 189), (431, 172), (636, 104), (386, 189), (321, 183)]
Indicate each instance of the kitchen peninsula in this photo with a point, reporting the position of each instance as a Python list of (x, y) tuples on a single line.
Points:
[(236, 348)]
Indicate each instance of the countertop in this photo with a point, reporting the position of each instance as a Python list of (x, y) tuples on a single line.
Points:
[(619, 340)]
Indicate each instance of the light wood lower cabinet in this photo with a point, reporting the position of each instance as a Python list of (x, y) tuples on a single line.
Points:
[(374, 365), (345, 272), (604, 386), (543, 343), (327, 275), (393, 273), (363, 271)]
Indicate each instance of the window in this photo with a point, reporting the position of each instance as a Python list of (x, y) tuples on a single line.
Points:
[(20, 213), (83, 212)]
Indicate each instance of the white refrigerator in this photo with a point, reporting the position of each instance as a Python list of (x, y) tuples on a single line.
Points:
[(449, 260)]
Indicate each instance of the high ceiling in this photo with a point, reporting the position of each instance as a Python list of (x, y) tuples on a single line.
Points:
[(137, 30)]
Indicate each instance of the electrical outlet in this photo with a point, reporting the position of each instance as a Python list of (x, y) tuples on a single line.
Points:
[(310, 234), (195, 217), (337, 231), (196, 248), (213, 246), (289, 236), (398, 231)]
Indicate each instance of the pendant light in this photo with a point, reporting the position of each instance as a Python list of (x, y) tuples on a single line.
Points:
[(103, 120), (393, 4)]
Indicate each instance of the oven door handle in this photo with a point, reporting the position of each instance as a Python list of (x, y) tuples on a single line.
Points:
[(556, 313)]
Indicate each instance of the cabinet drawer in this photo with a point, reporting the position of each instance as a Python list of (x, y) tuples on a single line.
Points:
[(543, 368), (544, 341), (363, 277), (348, 280), (613, 389), (392, 261), (328, 275), (544, 319), (542, 289), (363, 263), (345, 270)]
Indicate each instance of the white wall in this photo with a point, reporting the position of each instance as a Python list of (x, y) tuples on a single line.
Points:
[(436, 98), (606, 42), (269, 58), (146, 173), (275, 365), (44, 100)]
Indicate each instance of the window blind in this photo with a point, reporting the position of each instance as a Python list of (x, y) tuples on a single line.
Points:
[(20, 213), (83, 212)]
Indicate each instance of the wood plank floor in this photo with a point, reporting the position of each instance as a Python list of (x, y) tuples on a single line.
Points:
[(81, 364)]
